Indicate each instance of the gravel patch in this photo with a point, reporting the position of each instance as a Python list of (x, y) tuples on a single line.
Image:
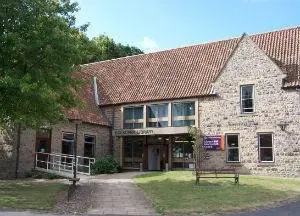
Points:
[(79, 202)]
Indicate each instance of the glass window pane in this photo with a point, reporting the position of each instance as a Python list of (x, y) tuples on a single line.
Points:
[(127, 149), (90, 139), (151, 110), (88, 150), (189, 108), (182, 123), (247, 91), (163, 110), (162, 124), (69, 136), (248, 105), (233, 154), (183, 109), (67, 147), (266, 154), (128, 113), (265, 140), (177, 109), (128, 126), (152, 124), (138, 113), (138, 125), (232, 140)]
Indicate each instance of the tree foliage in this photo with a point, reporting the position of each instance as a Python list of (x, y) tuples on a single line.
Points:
[(195, 136), (40, 48), (103, 48)]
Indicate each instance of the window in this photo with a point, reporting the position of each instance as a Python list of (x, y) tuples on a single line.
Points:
[(68, 140), (182, 152), (265, 145), (232, 147), (183, 114), (247, 99), (157, 115), (133, 151), (133, 117), (89, 146)]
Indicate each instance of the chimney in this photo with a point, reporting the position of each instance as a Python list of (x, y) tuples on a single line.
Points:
[(96, 97)]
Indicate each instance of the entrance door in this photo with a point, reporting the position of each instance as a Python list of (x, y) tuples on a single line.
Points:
[(154, 157)]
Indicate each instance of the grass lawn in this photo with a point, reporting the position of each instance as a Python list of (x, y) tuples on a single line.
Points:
[(28, 194), (175, 193)]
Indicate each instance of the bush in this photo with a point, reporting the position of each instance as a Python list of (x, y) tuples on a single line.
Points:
[(105, 165), (41, 175)]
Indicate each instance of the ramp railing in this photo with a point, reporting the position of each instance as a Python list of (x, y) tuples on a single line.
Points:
[(63, 163)]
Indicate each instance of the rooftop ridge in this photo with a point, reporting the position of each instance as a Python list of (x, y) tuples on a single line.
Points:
[(276, 30), (194, 45), (166, 50)]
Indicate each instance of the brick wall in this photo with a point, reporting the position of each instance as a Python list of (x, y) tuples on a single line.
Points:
[(221, 114), (8, 153), (102, 137)]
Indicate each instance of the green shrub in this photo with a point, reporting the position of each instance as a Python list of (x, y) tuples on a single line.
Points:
[(105, 165), (41, 175)]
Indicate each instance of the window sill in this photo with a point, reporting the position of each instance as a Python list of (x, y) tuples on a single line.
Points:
[(234, 163), (265, 164), (247, 114)]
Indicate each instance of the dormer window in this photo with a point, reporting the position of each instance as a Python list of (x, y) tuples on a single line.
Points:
[(247, 98)]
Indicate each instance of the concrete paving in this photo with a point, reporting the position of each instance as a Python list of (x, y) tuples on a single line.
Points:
[(117, 195)]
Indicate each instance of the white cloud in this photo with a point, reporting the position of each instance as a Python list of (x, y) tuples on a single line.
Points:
[(149, 45)]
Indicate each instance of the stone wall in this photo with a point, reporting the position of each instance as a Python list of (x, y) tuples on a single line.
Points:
[(221, 114)]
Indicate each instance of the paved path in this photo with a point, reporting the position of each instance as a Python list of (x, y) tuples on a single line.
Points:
[(117, 195)]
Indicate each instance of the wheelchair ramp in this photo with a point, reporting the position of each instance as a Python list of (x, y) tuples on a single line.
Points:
[(63, 164)]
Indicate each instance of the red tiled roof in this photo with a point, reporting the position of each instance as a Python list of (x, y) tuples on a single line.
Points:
[(184, 72), (283, 47), (91, 112)]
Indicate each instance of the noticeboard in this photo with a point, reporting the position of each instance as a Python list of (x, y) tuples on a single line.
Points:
[(213, 142)]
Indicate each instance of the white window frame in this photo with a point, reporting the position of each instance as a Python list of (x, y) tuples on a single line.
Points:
[(272, 147), (93, 143), (241, 99), (158, 119), (183, 117), (228, 148), (132, 121)]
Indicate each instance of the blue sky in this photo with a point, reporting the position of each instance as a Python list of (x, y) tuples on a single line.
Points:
[(154, 25)]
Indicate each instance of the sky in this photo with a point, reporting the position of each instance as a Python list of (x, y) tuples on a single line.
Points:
[(154, 25)]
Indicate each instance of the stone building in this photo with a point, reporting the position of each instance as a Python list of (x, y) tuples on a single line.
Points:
[(243, 94)]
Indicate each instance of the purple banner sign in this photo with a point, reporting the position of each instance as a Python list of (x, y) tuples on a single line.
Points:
[(212, 142)]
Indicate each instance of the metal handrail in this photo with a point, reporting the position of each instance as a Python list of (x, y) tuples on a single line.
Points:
[(63, 162)]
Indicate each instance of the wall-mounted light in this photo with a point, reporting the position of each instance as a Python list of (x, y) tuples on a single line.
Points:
[(283, 125)]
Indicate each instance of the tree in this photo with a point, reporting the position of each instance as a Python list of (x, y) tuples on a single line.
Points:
[(195, 137), (40, 48), (103, 48)]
